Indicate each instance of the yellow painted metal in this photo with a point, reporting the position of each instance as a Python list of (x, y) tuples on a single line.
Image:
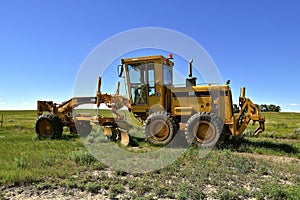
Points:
[(178, 101), (107, 131), (179, 111), (191, 102), (125, 139)]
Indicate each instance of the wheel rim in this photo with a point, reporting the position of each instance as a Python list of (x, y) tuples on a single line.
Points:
[(159, 129), (44, 128), (204, 131)]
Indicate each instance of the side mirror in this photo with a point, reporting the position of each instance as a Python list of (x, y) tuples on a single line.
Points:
[(120, 70)]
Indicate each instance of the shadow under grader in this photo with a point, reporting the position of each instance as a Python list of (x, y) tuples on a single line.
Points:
[(243, 145), (136, 141), (240, 144), (274, 146), (177, 142), (69, 137)]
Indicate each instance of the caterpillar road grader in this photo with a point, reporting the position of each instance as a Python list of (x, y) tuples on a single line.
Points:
[(204, 113)]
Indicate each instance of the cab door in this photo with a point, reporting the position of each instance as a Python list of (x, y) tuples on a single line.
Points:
[(154, 94), (167, 82)]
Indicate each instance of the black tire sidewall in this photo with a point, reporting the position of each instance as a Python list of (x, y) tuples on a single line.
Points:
[(208, 117), (55, 123), (168, 119)]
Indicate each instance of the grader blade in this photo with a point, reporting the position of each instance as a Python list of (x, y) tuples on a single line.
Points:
[(115, 134)]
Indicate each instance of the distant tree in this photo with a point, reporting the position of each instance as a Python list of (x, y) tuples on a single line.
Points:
[(268, 108), (264, 108), (261, 108), (272, 108)]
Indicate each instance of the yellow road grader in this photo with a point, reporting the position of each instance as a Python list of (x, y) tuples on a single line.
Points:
[(203, 112)]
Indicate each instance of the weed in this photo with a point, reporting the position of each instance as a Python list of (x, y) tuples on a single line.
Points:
[(21, 163), (297, 130), (244, 165), (105, 186), (272, 191), (70, 183), (115, 190), (131, 184), (47, 160), (43, 186), (271, 134), (190, 192), (142, 186), (92, 187), (295, 134), (82, 157), (98, 165), (293, 192), (225, 194), (159, 191), (262, 168), (280, 126), (119, 173)]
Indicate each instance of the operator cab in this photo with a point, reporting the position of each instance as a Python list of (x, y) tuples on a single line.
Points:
[(148, 79)]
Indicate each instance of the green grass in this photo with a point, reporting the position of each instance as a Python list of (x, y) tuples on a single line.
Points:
[(280, 125), (24, 158), (261, 168)]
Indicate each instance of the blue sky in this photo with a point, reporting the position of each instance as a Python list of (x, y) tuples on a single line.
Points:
[(254, 43)]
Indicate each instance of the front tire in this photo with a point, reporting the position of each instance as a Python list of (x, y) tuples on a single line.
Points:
[(49, 126), (203, 129), (160, 128)]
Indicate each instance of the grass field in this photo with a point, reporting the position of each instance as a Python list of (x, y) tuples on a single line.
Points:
[(281, 125), (248, 168)]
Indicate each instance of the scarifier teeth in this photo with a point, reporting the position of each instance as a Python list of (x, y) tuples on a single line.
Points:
[(258, 131)]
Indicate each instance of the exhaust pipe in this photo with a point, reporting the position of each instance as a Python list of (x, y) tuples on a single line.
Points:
[(190, 68), (190, 81)]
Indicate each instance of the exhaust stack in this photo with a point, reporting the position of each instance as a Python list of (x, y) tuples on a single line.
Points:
[(190, 81), (190, 68)]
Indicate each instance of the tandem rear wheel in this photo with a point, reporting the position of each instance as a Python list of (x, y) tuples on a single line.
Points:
[(203, 129)]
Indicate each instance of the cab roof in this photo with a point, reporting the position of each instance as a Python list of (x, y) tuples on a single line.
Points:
[(146, 58)]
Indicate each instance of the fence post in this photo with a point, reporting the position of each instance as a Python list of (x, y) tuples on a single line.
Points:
[(1, 120)]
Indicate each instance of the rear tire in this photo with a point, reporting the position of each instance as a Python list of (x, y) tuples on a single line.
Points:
[(203, 129), (49, 126), (160, 128)]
